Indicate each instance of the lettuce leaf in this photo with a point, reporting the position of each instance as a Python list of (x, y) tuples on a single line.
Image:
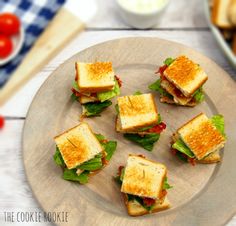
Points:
[(75, 86), (181, 156), (109, 146), (168, 61), (103, 96), (156, 86), (140, 201), (92, 164), (180, 146), (147, 141), (100, 137), (199, 95), (58, 158), (73, 97), (166, 184), (219, 123), (71, 175), (119, 179), (138, 93), (117, 109), (94, 109)]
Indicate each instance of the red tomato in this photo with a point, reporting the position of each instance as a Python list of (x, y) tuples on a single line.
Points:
[(6, 46), (149, 201), (9, 24), (2, 122), (161, 69), (158, 128)]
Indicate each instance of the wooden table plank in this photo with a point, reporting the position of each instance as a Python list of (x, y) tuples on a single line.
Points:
[(15, 192), (179, 14), (202, 41)]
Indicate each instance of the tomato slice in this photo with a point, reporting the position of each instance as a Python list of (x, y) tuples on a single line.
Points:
[(118, 80), (149, 201), (158, 128), (161, 69), (120, 170)]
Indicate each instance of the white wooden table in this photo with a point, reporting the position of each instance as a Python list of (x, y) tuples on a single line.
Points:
[(183, 22)]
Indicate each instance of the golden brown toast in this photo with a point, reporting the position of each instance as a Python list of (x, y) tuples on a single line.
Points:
[(137, 111), (186, 75), (78, 145), (201, 136)]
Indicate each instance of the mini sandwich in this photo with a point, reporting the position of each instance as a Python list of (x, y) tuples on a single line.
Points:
[(81, 153), (180, 82), (139, 120), (200, 139), (94, 86), (143, 184)]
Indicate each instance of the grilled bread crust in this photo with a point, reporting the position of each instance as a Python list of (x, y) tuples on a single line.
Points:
[(143, 177), (87, 99), (95, 77), (167, 100), (201, 136), (137, 111), (171, 89), (185, 75), (78, 145), (211, 158)]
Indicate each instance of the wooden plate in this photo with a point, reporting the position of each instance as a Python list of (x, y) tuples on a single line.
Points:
[(202, 195)]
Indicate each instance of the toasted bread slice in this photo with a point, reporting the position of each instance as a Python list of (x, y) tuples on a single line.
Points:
[(220, 15), (78, 145), (177, 95), (232, 12), (143, 177), (87, 99), (95, 77), (136, 209), (212, 158), (167, 100), (185, 75), (201, 136), (118, 129), (137, 111)]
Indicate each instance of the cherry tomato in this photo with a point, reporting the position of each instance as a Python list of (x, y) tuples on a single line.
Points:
[(6, 46), (2, 122), (9, 24)]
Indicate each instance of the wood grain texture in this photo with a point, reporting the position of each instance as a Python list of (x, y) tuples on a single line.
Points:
[(197, 190), (200, 40)]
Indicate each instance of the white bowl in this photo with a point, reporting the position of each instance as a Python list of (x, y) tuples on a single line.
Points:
[(17, 41), (141, 20)]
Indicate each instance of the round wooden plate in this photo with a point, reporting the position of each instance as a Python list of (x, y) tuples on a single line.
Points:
[(202, 194)]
